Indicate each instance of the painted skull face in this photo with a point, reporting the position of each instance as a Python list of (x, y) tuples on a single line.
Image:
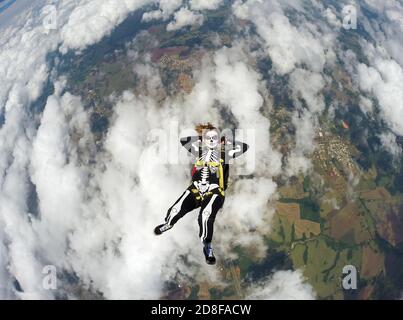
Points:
[(210, 139)]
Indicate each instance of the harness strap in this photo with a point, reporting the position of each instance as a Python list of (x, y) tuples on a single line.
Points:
[(200, 163)]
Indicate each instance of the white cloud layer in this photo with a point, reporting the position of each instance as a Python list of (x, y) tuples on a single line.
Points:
[(185, 17), (288, 46), (89, 21), (205, 4), (383, 79), (165, 10), (282, 285)]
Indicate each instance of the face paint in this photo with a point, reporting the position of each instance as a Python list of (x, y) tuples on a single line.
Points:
[(210, 139)]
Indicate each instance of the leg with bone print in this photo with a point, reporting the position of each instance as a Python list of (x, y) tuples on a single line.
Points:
[(210, 206), (186, 203)]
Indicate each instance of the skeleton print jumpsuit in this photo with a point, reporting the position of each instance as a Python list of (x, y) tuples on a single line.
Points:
[(209, 182)]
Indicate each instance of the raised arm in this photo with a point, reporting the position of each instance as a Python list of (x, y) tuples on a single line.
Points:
[(192, 144)]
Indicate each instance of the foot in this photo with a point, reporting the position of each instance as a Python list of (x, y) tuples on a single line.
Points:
[(208, 253), (162, 228)]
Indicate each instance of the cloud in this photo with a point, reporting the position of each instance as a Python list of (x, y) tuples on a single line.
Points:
[(185, 17), (282, 285), (298, 160), (366, 105), (308, 86), (379, 77), (240, 88), (205, 4), (90, 21), (387, 27), (165, 10), (23, 72), (287, 45), (389, 142), (332, 18), (300, 50), (383, 79)]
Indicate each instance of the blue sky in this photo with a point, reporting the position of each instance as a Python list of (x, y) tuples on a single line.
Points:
[(4, 4), (10, 8)]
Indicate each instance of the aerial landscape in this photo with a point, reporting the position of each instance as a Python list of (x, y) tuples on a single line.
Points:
[(326, 190)]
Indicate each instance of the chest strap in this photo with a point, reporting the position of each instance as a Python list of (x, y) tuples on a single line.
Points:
[(200, 163)]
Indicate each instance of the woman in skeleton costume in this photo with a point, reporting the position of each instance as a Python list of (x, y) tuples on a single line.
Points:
[(209, 182)]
